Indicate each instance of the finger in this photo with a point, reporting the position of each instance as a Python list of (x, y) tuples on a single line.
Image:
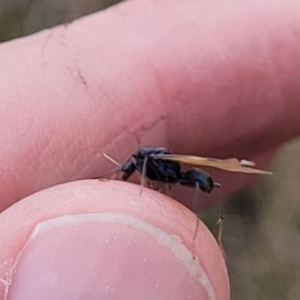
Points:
[(104, 239), (194, 76)]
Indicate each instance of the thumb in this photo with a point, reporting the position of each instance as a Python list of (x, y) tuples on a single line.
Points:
[(103, 240)]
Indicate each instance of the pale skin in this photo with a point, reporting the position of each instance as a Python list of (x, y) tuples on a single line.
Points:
[(215, 79)]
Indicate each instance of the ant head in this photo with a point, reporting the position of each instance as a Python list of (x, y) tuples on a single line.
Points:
[(140, 154)]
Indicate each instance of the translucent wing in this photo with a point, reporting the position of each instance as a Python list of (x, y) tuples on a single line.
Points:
[(229, 164)]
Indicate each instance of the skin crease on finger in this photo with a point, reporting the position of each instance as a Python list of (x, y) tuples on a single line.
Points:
[(111, 198), (216, 78)]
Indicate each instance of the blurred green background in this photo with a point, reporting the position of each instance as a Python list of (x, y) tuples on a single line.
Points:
[(261, 228)]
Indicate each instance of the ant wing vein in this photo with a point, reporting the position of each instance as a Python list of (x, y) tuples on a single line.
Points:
[(229, 164)]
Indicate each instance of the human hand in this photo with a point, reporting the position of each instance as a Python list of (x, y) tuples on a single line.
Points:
[(218, 79)]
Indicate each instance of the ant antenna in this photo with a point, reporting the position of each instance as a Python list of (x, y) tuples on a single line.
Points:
[(108, 173), (114, 162), (111, 160)]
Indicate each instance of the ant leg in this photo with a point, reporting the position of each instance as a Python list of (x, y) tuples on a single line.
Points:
[(220, 220), (165, 188), (168, 188), (197, 197), (221, 217), (143, 174), (156, 186), (150, 185), (197, 220), (220, 231), (195, 235)]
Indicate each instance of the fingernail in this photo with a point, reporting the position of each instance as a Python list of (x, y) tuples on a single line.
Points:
[(106, 256)]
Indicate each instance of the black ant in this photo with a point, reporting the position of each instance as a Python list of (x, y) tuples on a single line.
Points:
[(159, 164)]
